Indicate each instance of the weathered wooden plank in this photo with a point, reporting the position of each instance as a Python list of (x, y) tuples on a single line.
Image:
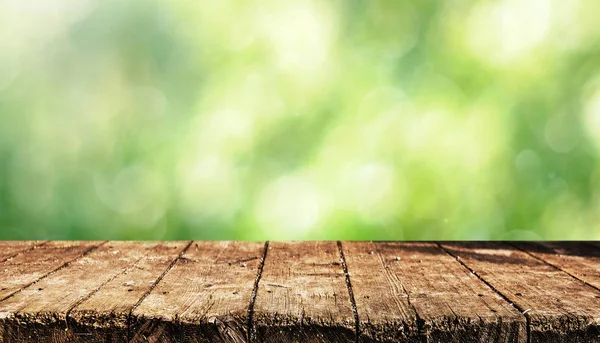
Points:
[(384, 310), (302, 295), (203, 298), (579, 259), (452, 304), (10, 249), (40, 312), (28, 267), (403, 291), (559, 308), (105, 315)]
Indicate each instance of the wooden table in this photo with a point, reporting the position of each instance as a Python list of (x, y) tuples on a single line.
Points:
[(299, 292)]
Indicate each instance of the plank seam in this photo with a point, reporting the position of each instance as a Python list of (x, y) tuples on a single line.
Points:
[(350, 292), (250, 331), (94, 291), (158, 280), (64, 265), (24, 251), (553, 266), (527, 319)]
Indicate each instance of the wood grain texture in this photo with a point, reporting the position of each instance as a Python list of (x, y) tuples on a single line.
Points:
[(384, 311), (40, 312), (203, 298), (581, 260), (559, 308), (28, 267), (299, 292), (452, 304), (105, 315), (10, 249), (302, 295)]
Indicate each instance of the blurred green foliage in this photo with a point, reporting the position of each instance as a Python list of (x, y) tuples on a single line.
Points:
[(300, 119)]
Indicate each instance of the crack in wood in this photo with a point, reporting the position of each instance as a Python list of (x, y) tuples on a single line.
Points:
[(523, 312), (94, 291), (554, 266), (64, 265), (23, 251), (350, 292), (162, 275), (250, 331)]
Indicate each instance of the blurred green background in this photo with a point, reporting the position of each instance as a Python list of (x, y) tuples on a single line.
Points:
[(299, 119)]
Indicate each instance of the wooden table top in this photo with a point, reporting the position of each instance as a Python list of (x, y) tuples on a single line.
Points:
[(299, 291)]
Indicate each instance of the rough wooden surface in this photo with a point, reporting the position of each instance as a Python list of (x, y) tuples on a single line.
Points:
[(386, 314), (581, 260), (10, 249), (299, 292), (22, 270), (303, 296), (452, 304), (204, 297), (105, 314), (558, 307), (42, 310)]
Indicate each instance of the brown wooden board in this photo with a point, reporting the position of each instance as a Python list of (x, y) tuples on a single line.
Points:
[(559, 308), (33, 264), (303, 296), (204, 298), (300, 292), (40, 312), (105, 315), (452, 304), (580, 259), (9, 249), (384, 310)]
